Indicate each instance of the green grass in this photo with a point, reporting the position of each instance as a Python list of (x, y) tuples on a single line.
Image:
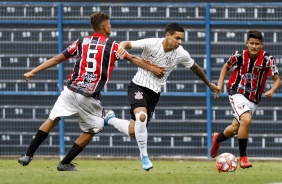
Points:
[(130, 171)]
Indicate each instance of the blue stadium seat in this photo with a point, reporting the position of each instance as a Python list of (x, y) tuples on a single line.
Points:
[(124, 12)]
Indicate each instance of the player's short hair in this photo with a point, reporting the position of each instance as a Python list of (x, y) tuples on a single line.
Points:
[(255, 34), (173, 27), (97, 18)]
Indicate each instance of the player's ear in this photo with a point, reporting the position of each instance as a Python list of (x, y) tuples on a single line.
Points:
[(167, 34)]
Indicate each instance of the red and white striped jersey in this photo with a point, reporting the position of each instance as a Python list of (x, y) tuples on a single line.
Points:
[(93, 67), (249, 75)]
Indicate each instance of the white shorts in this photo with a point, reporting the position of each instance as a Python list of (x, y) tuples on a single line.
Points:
[(87, 109), (241, 104)]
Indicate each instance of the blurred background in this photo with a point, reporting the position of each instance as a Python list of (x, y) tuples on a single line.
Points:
[(187, 114)]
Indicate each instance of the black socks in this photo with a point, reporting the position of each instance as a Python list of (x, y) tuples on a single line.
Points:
[(35, 143), (75, 150), (221, 137), (243, 147)]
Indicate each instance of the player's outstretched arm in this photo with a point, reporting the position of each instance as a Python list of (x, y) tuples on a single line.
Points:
[(157, 71), (47, 64), (201, 74)]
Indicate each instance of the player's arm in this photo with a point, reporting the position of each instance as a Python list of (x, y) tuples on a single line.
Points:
[(158, 71), (125, 44), (224, 71), (121, 49), (275, 86), (201, 74), (47, 64)]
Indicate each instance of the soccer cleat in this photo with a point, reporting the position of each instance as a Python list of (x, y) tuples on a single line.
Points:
[(110, 114), (66, 167), (24, 160), (215, 145), (244, 162), (146, 163)]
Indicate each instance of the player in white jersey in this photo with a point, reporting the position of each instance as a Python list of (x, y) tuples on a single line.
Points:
[(144, 90)]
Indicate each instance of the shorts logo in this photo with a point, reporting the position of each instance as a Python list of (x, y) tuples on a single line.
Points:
[(138, 95), (241, 106)]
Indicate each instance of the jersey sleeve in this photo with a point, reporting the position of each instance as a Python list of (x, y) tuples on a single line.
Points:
[(71, 51), (232, 59), (273, 67), (144, 44), (115, 49), (185, 58)]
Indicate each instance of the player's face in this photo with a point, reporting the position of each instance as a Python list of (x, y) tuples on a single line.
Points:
[(174, 40), (254, 46)]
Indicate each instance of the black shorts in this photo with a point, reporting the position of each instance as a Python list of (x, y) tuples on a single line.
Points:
[(139, 96)]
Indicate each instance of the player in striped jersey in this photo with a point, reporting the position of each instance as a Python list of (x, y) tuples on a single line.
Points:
[(245, 87), (81, 95), (144, 90)]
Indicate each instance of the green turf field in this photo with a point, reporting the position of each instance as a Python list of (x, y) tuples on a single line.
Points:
[(130, 171)]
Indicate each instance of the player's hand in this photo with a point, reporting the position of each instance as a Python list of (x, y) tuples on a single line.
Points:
[(269, 94), (121, 53), (216, 91), (28, 75), (157, 71)]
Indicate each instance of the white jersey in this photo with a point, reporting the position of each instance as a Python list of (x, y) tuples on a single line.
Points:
[(154, 52)]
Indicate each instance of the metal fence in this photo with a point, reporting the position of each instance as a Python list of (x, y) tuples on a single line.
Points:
[(186, 115)]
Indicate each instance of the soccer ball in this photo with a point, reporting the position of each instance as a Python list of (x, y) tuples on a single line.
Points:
[(226, 162)]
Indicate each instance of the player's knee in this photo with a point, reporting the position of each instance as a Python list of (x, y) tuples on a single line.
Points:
[(235, 132), (141, 117)]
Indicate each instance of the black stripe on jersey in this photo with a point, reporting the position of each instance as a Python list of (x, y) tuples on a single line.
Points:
[(260, 78), (105, 65), (77, 63), (240, 62), (249, 70)]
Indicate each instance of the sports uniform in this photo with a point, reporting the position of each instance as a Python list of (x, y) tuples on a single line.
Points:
[(245, 87), (91, 72), (144, 89), (247, 81), (145, 82)]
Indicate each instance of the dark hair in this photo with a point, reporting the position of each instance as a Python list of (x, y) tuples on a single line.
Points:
[(173, 27), (97, 18), (255, 34)]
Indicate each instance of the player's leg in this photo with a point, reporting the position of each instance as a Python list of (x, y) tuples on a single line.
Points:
[(40, 136), (121, 125), (140, 129), (91, 122), (141, 136), (64, 106), (217, 138), (243, 135), (78, 146)]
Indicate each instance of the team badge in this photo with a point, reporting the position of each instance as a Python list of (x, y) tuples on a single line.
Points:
[(138, 95)]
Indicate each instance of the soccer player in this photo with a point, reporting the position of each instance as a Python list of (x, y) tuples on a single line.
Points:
[(81, 95), (245, 87), (145, 89)]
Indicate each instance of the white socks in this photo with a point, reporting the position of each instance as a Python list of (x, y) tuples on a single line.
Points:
[(120, 124), (141, 134)]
